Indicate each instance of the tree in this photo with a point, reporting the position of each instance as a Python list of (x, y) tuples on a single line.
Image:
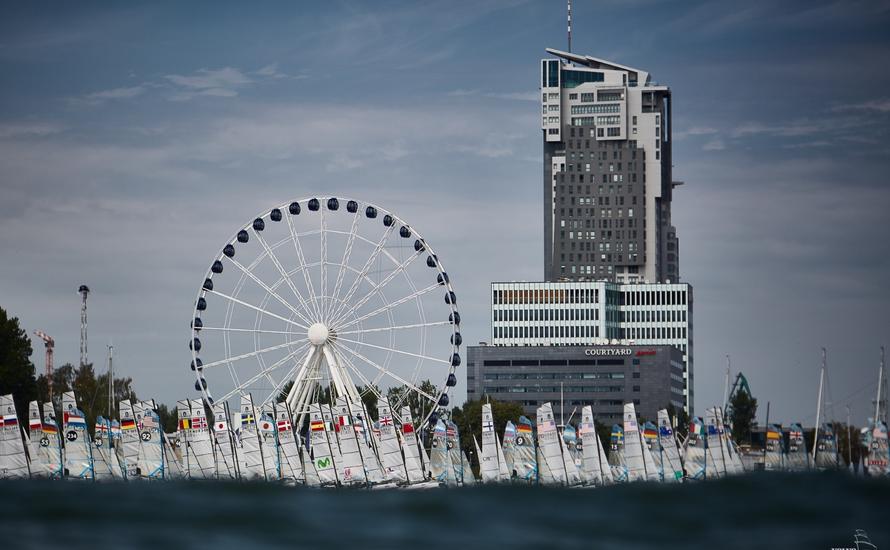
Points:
[(399, 396), (16, 369), (682, 420), (469, 422), (743, 416)]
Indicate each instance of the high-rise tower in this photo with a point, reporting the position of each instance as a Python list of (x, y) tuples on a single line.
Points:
[(84, 291), (607, 173)]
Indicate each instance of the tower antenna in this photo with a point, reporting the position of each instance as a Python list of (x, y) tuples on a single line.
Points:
[(84, 291), (569, 15), (50, 344)]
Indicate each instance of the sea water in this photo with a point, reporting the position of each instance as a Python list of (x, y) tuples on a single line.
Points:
[(754, 511)]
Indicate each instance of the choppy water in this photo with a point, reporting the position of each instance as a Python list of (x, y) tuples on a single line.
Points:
[(772, 511)]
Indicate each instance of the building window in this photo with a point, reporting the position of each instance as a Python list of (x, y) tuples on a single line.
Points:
[(636, 388)]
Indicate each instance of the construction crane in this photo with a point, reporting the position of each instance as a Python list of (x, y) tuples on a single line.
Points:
[(84, 290), (49, 343), (738, 386)]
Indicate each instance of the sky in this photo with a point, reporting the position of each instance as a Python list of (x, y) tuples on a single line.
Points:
[(136, 138)]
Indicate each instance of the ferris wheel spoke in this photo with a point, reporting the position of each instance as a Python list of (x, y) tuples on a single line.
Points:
[(394, 350), (257, 309), (282, 271), (392, 305), (392, 275), (298, 248), (252, 330), (263, 373), (371, 385), (247, 355), (272, 292), (365, 269), (396, 327), (323, 265), (338, 284), (408, 385)]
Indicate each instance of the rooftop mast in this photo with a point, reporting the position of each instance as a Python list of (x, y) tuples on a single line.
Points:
[(569, 20), (84, 290)]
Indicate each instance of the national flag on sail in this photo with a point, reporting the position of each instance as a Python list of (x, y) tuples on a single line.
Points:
[(183, 423), (101, 427), (265, 425), (386, 421), (407, 428), (487, 426), (773, 435), (665, 431), (34, 424), (49, 428), (284, 425), (148, 422), (130, 424), (450, 431), (650, 433), (199, 423), (316, 426), (221, 426), (547, 426), (246, 419), (344, 420), (524, 429), (74, 419), (10, 420)]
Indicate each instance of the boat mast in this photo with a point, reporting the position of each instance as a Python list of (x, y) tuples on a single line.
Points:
[(766, 436), (818, 408), (880, 382), (726, 384)]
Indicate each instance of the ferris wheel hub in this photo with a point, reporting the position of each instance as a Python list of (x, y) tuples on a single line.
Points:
[(318, 334)]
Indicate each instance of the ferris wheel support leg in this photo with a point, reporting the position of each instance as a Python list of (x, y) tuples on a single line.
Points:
[(298, 391), (341, 378)]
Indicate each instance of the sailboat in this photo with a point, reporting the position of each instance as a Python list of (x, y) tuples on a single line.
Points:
[(454, 454), (268, 443), (567, 445), (508, 451), (467, 477), (775, 449), (878, 462), (716, 451), (172, 462), (694, 451), (151, 449), (797, 450), (591, 473), (671, 466), (250, 456), (51, 444), (102, 451), (650, 443), (322, 460), (413, 464), (130, 443), (617, 462), (390, 451), (524, 454), (826, 449), (288, 446), (198, 449), (550, 462), (78, 450), (352, 469), (35, 436), (640, 467), (488, 459), (224, 442), (440, 463), (13, 458)]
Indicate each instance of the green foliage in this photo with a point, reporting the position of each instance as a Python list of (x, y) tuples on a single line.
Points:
[(169, 418), (469, 423), (682, 420), (743, 417), (399, 396), (16, 370)]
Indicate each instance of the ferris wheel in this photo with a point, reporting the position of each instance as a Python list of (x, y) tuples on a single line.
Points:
[(327, 297)]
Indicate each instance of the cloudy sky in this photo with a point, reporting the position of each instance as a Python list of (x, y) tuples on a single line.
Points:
[(134, 139)]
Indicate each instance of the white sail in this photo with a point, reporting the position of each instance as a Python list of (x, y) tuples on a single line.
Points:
[(671, 466), (102, 450), (878, 460), (508, 450), (440, 464), (130, 441), (525, 461), (503, 472), (78, 450), (467, 471), (269, 443), (716, 451), (288, 446), (390, 451), (453, 441), (327, 412), (13, 458), (413, 464), (694, 450), (151, 450), (653, 471), (617, 461), (775, 449), (51, 444), (425, 460), (367, 444), (797, 458), (826, 449), (114, 437), (36, 462), (311, 478), (633, 448), (734, 464), (550, 462), (172, 462), (605, 470), (591, 472), (250, 458), (322, 460), (488, 461), (573, 476), (224, 441), (352, 469)]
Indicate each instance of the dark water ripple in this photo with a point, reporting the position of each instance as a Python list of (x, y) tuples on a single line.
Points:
[(772, 511)]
